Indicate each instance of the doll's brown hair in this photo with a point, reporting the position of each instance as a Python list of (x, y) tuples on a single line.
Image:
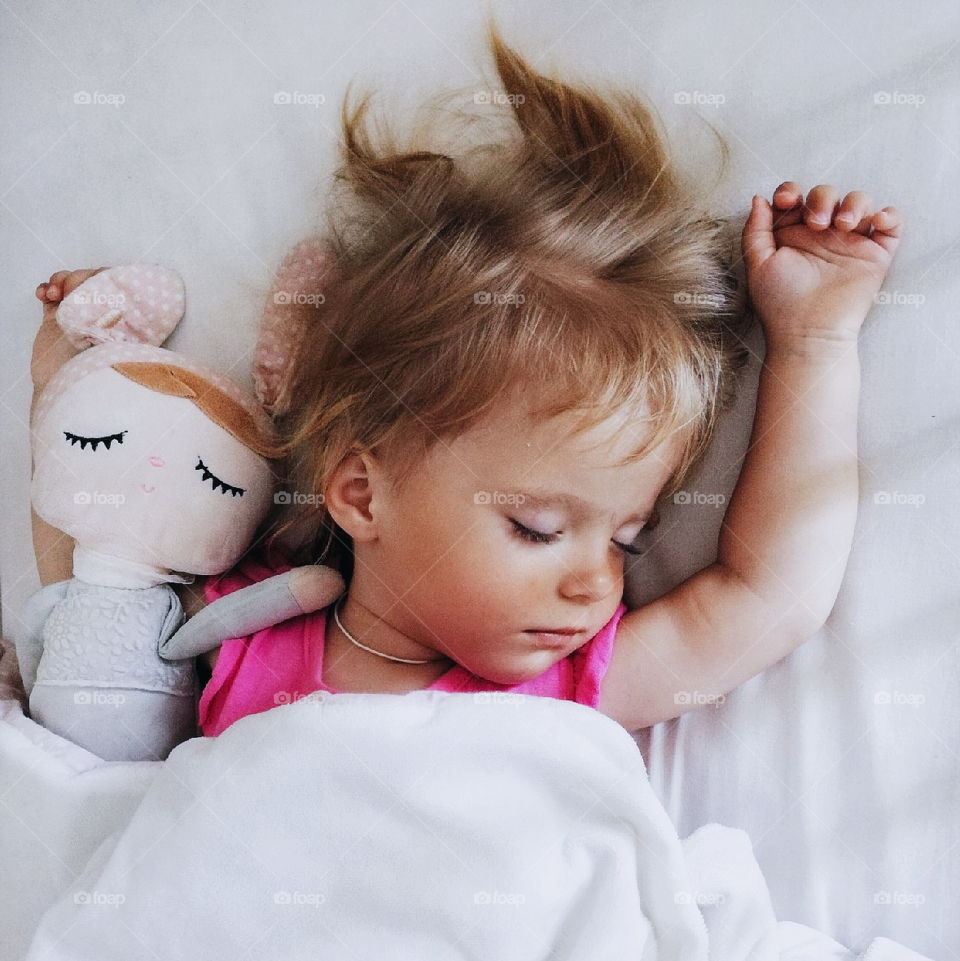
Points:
[(218, 406), (567, 255)]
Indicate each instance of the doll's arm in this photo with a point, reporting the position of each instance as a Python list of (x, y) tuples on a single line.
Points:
[(35, 612), (173, 620), (301, 590)]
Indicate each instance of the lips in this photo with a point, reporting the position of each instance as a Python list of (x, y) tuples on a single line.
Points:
[(556, 639)]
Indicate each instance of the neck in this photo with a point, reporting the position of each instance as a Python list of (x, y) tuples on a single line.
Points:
[(348, 668), (108, 570), (375, 632)]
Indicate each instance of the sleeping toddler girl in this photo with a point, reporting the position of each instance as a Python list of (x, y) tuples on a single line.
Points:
[(502, 360)]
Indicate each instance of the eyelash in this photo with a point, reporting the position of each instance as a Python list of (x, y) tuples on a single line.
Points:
[(227, 488), (538, 537), (109, 438), (106, 441)]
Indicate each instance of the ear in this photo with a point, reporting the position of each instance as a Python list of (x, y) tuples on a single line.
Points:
[(350, 494), (133, 304), (292, 307)]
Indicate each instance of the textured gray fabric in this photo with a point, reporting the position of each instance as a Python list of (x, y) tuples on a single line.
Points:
[(99, 679)]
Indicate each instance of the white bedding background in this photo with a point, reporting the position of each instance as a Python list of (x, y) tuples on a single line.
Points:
[(151, 133)]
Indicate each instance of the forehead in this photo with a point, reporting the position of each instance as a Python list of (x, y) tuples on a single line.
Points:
[(106, 394), (513, 449), (104, 401)]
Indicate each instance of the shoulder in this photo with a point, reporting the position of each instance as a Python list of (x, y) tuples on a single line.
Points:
[(592, 661), (645, 677), (601, 646), (686, 648), (205, 589), (274, 666), (253, 567), (192, 600), (191, 596)]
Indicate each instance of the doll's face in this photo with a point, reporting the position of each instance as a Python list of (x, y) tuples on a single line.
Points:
[(145, 476)]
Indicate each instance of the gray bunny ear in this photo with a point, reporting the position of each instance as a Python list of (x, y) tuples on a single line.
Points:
[(292, 304)]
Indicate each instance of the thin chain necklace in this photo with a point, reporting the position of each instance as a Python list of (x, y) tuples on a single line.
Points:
[(350, 637)]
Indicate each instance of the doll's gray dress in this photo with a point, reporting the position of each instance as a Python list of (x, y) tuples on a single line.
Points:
[(93, 671)]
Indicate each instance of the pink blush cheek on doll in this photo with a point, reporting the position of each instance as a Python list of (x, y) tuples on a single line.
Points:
[(134, 473)]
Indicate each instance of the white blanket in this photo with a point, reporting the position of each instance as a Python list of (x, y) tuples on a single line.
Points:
[(427, 826)]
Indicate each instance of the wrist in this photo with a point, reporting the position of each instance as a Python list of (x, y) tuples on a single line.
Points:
[(812, 344), (51, 351)]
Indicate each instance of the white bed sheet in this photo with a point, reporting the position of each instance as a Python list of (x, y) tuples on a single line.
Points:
[(841, 762)]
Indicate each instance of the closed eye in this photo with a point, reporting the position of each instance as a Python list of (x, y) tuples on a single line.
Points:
[(227, 488), (107, 440), (535, 537), (539, 537)]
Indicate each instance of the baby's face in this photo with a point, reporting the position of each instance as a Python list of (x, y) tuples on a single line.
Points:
[(482, 552)]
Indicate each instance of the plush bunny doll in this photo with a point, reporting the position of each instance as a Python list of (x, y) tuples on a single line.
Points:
[(159, 468)]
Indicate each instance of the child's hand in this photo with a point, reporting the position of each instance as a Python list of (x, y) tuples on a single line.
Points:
[(11, 684), (814, 269), (51, 349)]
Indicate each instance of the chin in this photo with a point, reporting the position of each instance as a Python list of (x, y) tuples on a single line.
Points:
[(518, 675)]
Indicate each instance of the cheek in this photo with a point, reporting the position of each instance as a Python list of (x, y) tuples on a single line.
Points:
[(468, 560), (510, 569)]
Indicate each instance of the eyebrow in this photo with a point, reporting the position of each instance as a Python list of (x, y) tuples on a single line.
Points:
[(547, 498)]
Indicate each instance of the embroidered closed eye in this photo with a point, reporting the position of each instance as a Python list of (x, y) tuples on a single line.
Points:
[(227, 488), (107, 440)]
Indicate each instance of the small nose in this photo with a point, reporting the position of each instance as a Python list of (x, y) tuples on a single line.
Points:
[(157, 461), (590, 580)]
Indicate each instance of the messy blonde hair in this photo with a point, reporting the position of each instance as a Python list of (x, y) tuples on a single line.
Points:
[(568, 257)]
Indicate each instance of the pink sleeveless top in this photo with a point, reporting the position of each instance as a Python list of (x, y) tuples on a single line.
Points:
[(284, 663)]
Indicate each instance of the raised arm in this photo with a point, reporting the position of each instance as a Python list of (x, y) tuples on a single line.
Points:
[(52, 548), (788, 530)]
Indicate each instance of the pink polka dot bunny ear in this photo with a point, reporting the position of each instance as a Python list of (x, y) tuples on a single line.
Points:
[(135, 304), (292, 305)]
